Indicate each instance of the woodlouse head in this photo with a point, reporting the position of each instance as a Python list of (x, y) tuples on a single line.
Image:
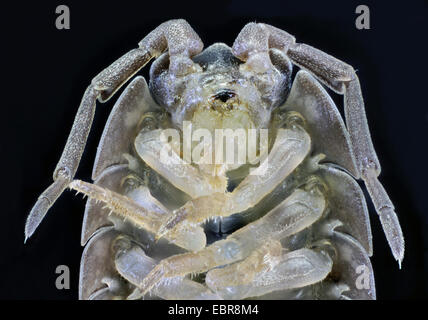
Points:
[(220, 85)]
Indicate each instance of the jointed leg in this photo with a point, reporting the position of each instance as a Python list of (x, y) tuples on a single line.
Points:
[(252, 45), (176, 36), (270, 268), (297, 212), (291, 146), (133, 264), (172, 167), (147, 213)]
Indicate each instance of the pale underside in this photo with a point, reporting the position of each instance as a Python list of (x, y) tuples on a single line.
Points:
[(342, 223), (297, 229)]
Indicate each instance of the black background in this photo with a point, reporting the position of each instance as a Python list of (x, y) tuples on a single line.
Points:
[(47, 71)]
